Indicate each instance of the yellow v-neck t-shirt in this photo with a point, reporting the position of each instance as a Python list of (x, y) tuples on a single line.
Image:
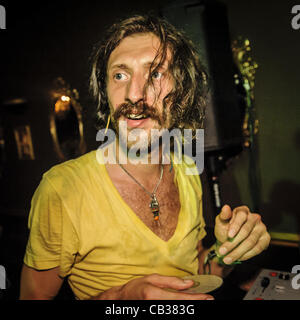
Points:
[(79, 222)]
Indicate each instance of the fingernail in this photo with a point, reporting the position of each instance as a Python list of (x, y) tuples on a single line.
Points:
[(222, 251), (227, 260), (231, 233), (210, 298), (187, 281)]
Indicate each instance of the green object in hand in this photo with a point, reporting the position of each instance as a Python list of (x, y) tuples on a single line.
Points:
[(220, 257)]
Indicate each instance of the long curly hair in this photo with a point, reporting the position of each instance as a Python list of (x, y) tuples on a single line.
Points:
[(187, 99)]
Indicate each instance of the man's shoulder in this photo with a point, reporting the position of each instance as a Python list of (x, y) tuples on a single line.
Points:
[(72, 170), (187, 166), (188, 173)]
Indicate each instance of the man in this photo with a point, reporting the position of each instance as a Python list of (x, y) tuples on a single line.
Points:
[(133, 230)]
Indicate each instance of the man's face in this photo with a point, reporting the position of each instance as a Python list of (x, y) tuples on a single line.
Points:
[(127, 74)]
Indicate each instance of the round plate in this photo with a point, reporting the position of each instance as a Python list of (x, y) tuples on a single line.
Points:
[(203, 283)]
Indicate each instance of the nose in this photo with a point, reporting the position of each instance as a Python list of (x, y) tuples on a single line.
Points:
[(135, 89)]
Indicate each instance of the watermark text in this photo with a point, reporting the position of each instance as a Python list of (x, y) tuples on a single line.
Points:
[(2, 278), (296, 278), (2, 17), (295, 22), (138, 146)]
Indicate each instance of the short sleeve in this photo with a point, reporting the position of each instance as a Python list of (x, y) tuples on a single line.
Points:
[(45, 225), (49, 229)]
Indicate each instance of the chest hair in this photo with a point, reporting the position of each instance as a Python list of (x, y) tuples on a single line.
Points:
[(168, 198)]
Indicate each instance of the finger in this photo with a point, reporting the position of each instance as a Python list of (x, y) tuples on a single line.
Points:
[(247, 245), (225, 214), (169, 282), (261, 245), (239, 218), (222, 224), (163, 294), (244, 232)]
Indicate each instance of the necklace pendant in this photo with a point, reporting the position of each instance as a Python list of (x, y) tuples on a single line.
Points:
[(154, 206)]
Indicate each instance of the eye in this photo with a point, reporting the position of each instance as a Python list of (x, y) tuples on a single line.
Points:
[(157, 75), (120, 76)]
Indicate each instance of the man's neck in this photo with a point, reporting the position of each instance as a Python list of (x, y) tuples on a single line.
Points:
[(145, 167)]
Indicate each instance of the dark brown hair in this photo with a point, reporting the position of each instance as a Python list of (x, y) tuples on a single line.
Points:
[(190, 79)]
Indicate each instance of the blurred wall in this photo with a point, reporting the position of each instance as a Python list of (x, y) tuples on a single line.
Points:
[(276, 49)]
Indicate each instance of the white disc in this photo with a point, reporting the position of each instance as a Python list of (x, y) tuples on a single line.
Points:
[(203, 283)]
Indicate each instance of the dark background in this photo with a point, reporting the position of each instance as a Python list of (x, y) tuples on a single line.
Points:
[(55, 38)]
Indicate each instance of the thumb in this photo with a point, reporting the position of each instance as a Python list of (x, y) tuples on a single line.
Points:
[(226, 214), (222, 224), (170, 282)]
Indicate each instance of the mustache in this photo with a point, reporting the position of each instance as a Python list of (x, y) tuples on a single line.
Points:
[(125, 109)]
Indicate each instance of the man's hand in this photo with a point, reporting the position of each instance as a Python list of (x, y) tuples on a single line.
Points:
[(153, 287), (241, 233)]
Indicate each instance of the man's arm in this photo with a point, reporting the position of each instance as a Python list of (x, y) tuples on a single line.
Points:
[(153, 287), (39, 285), (44, 285)]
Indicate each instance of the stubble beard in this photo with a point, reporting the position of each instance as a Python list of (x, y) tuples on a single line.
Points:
[(145, 143)]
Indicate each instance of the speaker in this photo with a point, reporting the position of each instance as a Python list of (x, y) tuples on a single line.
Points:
[(206, 24)]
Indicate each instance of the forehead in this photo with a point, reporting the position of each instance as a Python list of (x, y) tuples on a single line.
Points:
[(136, 49)]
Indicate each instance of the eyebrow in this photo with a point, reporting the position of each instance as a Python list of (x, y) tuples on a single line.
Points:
[(126, 67), (119, 66)]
